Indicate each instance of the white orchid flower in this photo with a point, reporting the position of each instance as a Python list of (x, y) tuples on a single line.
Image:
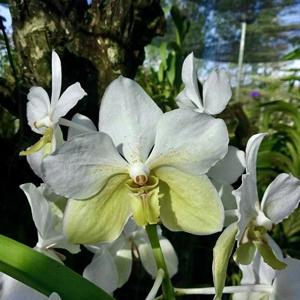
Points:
[(142, 163), (280, 199), (44, 116), (111, 265), (274, 285), (255, 219), (47, 216), (214, 95)]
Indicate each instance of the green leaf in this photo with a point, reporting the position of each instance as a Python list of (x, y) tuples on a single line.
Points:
[(244, 253), (268, 256), (222, 252), (45, 274), (171, 71)]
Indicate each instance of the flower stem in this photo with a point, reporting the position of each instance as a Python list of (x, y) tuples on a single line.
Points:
[(227, 290), (157, 283), (167, 288)]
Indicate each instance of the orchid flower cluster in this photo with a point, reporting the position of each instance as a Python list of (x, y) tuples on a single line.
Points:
[(109, 189)]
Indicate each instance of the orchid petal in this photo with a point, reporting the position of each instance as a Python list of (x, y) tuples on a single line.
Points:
[(281, 197), (148, 261), (102, 271), (82, 121), (57, 139), (190, 80), (100, 218), (43, 217), (228, 200), (35, 159), (268, 255), (266, 273), (47, 218), (258, 272), (189, 141), (38, 107), (222, 252), (189, 203), (56, 79), (183, 102), (216, 92), (287, 284), (54, 296), (123, 261), (244, 253), (81, 167), (132, 125), (14, 290), (251, 153), (246, 198), (67, 101), (230, 168)]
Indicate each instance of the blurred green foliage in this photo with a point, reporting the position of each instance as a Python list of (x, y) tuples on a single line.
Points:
[(163, 81)]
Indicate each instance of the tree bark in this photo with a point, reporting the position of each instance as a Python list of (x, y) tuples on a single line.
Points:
[(96, 42)]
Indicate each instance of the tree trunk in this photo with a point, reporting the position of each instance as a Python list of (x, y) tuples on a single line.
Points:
[(96, 42)]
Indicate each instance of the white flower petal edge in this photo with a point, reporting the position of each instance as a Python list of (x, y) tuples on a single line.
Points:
[(190, 80), (81, 167), (47, 218), (216, 92), (83, 121), (15, 290), (251, 153), (129, 116), (56, 78), (67, 101), (102, 271), (247, 199), (230, 168), (147, 258), (38, 106), (281, 197), (35, 159), (189, 141), (54, 296)]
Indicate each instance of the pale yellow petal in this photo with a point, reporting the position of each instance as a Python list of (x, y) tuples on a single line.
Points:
[(189, 203), (101, 217)]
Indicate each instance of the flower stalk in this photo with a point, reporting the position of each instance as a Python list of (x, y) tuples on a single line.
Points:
[(167, 288), (227, 290)]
